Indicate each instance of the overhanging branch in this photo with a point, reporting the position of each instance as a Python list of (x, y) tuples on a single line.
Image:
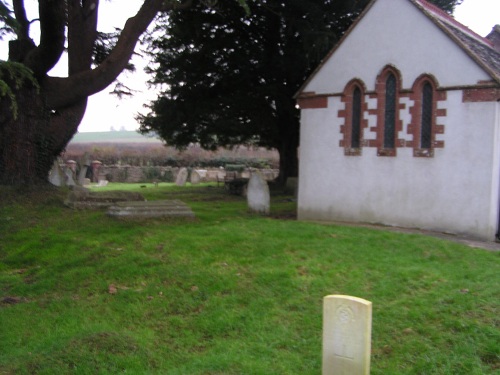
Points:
[(62, 92), (52, 25)]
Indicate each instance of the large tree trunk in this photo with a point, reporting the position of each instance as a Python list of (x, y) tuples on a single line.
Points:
[(288, 119), (288, 153), (32, 137), (25, 157)]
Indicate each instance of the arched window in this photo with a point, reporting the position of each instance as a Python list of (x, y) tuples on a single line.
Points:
[(427, 116), (424, 116), (390, 111), (356, 118), (389, 125), (354, 123)]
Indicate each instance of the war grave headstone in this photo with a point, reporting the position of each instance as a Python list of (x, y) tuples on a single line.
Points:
[(181, 177), (347, 326), (258, 196)]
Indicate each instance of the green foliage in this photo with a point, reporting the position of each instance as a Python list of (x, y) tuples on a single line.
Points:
[(8, 24), (13, 76), (447, 5), (230, 75), (155, 174), (231, 292), (235, 167)]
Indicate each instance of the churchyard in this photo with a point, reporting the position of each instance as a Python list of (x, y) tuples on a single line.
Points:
[(229, 291)]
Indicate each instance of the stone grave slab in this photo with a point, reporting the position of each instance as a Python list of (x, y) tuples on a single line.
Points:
[(89, 200), (347, 326), (151, 209)]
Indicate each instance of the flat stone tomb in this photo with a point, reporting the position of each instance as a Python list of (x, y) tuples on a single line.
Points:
[(347, 326), (151, 209)]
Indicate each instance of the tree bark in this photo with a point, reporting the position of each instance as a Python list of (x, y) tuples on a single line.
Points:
[(25, 157), (49, 115), (288, 153)]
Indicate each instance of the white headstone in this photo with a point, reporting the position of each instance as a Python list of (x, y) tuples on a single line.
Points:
[(258, 196), (195, 177), (56, 175), (347, 326), (181, 177)]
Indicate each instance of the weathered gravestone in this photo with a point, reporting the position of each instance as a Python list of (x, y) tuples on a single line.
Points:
[(258, 196), (70, 180), (181, 177), (347, 326), (57, 176), (85, 165), (195, 177)]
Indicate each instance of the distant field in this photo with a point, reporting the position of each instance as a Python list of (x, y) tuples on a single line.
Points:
[(113, 137)]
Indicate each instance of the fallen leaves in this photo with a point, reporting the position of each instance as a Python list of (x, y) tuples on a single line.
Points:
[(11, 300), (112, 289)]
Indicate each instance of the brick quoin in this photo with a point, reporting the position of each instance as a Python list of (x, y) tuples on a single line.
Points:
[(490, 94), (346, 114), (312, 102), (414, 128)]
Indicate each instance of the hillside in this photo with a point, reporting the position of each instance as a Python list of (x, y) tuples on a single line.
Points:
[(113, 137)]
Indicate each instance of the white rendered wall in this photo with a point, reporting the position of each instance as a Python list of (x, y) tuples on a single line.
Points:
[(455, 191), (395, 32)]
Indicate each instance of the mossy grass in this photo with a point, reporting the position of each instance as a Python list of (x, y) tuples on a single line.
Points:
[(230, 292)]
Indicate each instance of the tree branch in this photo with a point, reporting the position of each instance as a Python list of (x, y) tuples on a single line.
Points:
[(24, 26), (52, 26), (82, 32), (64, 91)]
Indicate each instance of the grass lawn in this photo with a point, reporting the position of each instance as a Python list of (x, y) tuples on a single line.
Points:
[(230, 292)]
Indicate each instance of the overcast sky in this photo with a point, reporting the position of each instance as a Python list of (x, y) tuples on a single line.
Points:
[(105, 111)]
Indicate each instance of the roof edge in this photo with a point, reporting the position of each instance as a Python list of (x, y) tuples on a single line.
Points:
[(430, 11), (334, 48)]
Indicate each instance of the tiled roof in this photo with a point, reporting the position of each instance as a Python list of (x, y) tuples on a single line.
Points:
[(478, 48)]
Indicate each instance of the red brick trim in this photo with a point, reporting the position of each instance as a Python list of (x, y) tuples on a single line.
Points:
[(347, 115), (414, 128), (474, 95), (312, 101)]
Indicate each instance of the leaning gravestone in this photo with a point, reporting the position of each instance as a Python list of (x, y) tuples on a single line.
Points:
[(347, 326), (181, 177), (258, 196), (70, 181), (57, 176)]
